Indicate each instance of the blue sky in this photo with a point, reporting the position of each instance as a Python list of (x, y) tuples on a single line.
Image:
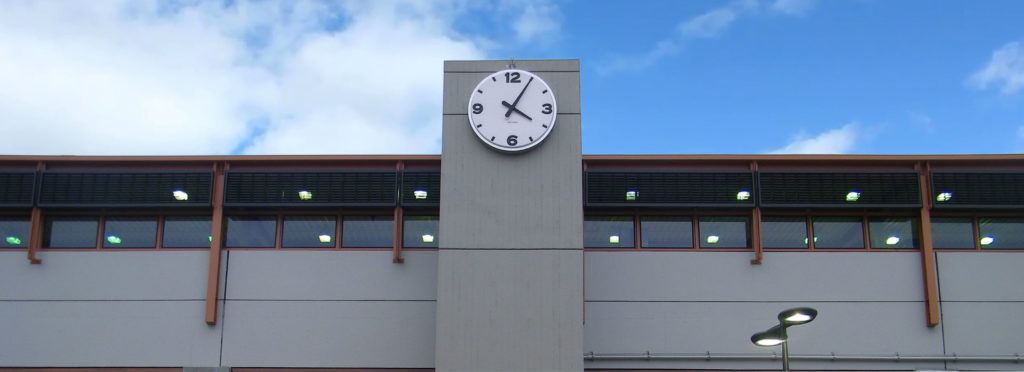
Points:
[(118, 77)]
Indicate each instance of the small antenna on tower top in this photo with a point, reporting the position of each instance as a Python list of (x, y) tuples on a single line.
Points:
[(511, 62)]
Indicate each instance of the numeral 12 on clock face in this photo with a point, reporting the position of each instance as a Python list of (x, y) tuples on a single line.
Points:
[(512, 110)]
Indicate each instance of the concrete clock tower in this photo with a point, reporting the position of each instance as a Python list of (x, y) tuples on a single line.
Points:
[(510, 261)]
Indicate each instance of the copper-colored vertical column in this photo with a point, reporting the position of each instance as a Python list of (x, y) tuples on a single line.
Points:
[(35, 234), (636, 230), (396, 248), (755, 222), (931, 286), (216, 242)]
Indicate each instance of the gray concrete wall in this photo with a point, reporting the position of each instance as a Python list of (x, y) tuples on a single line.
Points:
[(113, 308), (510, 284), (353, 309), (869, 303), (982, 305)]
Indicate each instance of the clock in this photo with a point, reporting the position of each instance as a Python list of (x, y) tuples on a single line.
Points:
[(512, 110)]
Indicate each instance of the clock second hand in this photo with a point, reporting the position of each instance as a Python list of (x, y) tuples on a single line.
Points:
[(513, 108), (516, 102)]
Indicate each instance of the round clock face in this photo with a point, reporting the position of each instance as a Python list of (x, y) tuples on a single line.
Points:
[(512, 110)]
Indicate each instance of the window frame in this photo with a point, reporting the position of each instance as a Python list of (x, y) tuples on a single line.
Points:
[(864, 215), (693, 214)]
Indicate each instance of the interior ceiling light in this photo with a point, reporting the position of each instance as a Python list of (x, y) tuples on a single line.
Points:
[(305, 195), (853, 196), (614, 239), (114, 239), (420, 194), (179, 195), (944, 196), (743, 195), (324, 238), (987, 240), (13, 240), (632, 194), (892, 240), (427, 238), (712, 239)]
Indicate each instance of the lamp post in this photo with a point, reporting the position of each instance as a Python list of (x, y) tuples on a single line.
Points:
[(777, 334)]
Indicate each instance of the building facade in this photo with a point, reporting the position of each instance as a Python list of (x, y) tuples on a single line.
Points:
[(484, 260)]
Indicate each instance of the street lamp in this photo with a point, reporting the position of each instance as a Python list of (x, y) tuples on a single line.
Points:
[(777, 335)]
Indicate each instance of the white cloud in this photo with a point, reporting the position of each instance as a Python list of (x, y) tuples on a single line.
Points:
[(709, 24), (538, 20), (153, 77), (836, 141), (1006, 68), (793, 7)]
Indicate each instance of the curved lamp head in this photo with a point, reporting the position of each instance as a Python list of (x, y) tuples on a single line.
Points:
[(773, 336), (797, 316)]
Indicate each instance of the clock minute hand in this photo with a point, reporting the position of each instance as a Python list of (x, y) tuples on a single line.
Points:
[(516, 102), (513, 108)]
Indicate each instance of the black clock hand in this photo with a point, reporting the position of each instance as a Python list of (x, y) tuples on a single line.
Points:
[(516, 102), (513, 108)]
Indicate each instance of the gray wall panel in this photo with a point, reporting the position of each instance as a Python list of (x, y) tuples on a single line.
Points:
[(533, 65), (106, 333), (485, 210), (869, 328), (984, 328), (105, 275), (729, 276), (981, 276), (331, 275), (533, 314), (367, 334)]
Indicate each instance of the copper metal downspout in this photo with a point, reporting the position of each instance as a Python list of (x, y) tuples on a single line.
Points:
[(396, 248), (216, 242), (931, 287), (755, 222), (35, 235)]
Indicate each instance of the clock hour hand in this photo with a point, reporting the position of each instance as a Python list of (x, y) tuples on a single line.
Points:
[(513, 108), (516, 102)]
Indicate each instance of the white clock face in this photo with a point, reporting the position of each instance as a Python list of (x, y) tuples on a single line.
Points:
[(512, 110)]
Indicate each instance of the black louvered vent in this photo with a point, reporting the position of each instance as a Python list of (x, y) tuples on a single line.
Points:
[(17, 189), (832, 189), (978, 189), (337, 188), (420, 182), (669, 189), (125, 189)]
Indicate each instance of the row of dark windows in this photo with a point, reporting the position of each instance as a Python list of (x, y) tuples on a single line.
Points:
[(371, 231), (603, 188), (792, 232), (241, 231)]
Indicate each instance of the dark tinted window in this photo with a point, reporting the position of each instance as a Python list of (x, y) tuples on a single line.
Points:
[(952, 233), (71, 232), (368, 231), (14, 232), (309, 231), (723, 232), (893, 232), (129, 232), (187, 232), (608, 232), (252, 231), (1001, 233), (420, 232), (784, 232), (838, 232), (666, 232)]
